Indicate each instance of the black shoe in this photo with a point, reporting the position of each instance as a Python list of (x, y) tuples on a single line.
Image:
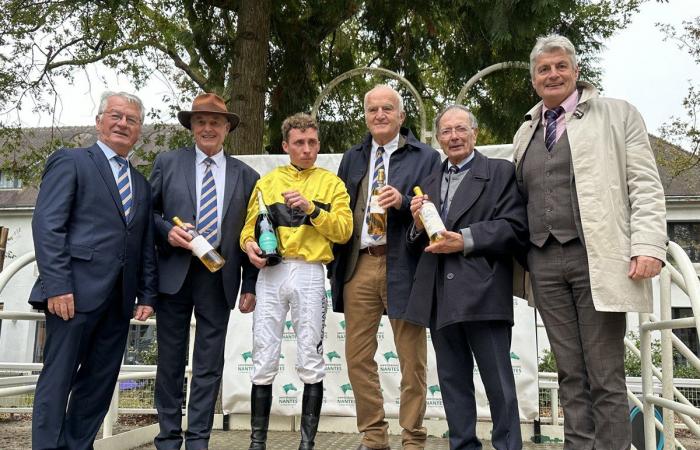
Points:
[(310, 414), (260, 404)]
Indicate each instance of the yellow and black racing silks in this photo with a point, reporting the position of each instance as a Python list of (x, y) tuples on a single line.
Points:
[(303, 236)]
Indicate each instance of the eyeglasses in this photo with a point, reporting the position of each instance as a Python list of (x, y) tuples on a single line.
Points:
[(117, 117), (460, 130)]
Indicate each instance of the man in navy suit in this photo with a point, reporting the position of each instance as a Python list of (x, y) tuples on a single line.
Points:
[(463, 287), (203, 185), (93, 238)]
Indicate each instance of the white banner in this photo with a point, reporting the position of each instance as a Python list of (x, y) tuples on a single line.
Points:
[(338, 396)]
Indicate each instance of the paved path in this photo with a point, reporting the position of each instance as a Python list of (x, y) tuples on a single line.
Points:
[(280, 440)]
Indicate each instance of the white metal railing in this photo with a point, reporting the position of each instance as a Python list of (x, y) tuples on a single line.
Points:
[(686, 278), (23, 384)]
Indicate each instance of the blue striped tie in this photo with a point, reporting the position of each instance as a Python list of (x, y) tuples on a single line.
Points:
[(123, 185), (208, 221), (550, 136), (378, 164)]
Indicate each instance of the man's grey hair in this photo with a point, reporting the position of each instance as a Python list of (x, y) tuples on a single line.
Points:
[(399, 99), (549, 44), (129, 98), (472, 119)]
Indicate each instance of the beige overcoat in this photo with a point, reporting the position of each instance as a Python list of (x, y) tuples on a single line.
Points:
[(620, 196)]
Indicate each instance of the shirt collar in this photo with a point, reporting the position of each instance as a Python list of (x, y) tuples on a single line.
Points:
[(389, 147), (569, 104), (460, 164), (108, 152), (218, 157)]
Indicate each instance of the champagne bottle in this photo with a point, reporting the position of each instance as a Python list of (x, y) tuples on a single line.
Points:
[(202, 249), (431, 218), (265, 234), (376, 226)]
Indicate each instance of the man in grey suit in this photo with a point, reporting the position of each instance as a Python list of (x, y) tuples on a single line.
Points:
[(202, 185), (597, 222)]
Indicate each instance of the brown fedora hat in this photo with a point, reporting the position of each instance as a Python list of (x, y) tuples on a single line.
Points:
[(208, 103)]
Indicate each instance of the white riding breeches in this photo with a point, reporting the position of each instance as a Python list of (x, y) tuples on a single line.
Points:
[(300, 286)]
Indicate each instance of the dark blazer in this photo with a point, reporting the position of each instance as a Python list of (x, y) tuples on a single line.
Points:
[(479, 286), (82, 240), (174, 194), (408, 166)]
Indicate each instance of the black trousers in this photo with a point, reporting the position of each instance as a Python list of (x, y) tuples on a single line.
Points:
[(489, 343), (82, 357), (202, 291)]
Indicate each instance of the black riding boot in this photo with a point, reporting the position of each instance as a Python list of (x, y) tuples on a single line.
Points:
[(310, 414), (260, 403)]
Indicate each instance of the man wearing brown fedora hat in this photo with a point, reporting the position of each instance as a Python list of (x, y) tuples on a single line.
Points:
[(209, 191)]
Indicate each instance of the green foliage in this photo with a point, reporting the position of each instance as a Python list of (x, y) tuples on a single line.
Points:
[(198, 45), (684, 131), (633, 364)]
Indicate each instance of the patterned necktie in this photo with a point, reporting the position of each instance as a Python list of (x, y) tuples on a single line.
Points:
[(123, 185), (550, 136), (378, 164), (443, 208), (208, 221)]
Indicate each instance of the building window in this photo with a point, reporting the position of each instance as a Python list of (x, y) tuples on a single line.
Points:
[(9, 181), (687, 235), (689, 336)]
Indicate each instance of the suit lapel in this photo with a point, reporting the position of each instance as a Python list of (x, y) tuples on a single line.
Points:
[(105, 171), (468, 190), (188, 167), (232, 174)]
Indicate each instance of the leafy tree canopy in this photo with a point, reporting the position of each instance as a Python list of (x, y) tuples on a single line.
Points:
[(271, 58), (685, 132)]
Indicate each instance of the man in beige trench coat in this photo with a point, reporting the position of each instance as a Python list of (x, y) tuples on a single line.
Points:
[(597, 223)]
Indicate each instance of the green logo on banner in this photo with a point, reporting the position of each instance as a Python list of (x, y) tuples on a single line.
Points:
[(345, 388), (289, 387), (342, 324), (514, 355), (390, 355), (433, 389), (246, 356), (288, 324), (331, 355)]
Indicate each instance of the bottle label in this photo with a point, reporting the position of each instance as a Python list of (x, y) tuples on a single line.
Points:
[(374, 207), (200, 246), (431, 219), (267, 242)]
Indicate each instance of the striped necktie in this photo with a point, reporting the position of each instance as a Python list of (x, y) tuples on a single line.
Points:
[(550, 136), (208, 221), (378, 164), (124, 186)]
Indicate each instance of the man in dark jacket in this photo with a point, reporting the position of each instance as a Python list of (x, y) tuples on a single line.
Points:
[(203, 185), (463, 288), (372, 273), (93, 238)]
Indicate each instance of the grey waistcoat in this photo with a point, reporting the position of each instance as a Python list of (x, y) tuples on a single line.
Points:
[(547, 177)]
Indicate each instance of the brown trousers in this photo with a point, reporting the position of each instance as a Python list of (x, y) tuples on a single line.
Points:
[(365, 301)]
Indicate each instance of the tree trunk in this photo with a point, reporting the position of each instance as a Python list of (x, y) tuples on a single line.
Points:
[(248, 77)]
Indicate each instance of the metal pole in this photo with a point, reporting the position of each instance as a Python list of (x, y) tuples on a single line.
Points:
[(647, 384), (667, 358)]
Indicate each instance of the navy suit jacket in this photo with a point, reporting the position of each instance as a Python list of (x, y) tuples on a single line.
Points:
[(479, 286), (173, 181), (82, 240), (408, 166)]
